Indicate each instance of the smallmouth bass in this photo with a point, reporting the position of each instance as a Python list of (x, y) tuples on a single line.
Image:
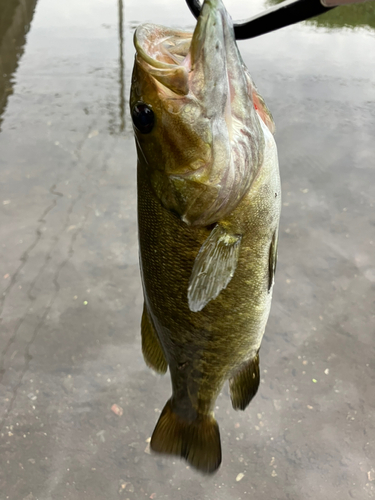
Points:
[(208, 213)]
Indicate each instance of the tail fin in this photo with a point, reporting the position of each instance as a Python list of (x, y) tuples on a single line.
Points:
[(198, 441)]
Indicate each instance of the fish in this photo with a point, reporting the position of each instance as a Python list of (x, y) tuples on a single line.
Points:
[(209, 201)]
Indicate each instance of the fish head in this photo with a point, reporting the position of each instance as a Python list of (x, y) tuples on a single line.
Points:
[(197, 131), (160, 98)]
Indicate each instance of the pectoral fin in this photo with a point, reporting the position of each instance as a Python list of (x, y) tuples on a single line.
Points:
[(151, 348), (213, 268), (272, 260), (244, 385)]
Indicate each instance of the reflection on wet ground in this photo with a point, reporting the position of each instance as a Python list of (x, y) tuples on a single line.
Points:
[(15, 19), (71, 297)]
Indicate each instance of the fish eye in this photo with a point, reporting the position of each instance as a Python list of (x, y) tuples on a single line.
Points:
[(143, 117)]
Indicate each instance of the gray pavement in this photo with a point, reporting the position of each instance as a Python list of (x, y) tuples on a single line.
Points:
[(71, 295)]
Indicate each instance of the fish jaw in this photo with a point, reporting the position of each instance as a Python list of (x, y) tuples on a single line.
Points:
[(217, 74), (207, 144)]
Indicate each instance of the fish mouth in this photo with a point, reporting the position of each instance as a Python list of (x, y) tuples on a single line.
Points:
[(162, 52), (196, 63), (161, 47), (210, 137)]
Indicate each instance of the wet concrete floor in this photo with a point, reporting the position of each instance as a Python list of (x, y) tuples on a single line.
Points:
[(71, 295)]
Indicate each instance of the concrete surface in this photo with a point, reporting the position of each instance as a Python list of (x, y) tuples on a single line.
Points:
[(71, 296)]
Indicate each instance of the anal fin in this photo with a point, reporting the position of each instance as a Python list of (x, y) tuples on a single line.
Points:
[(213, 268), (151, 348), (244, 385)]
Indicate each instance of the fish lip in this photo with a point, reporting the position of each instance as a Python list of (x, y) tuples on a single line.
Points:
[(217, 76), (214, 29), (141, 54), (146, 33), (213, 26), (153, 54)]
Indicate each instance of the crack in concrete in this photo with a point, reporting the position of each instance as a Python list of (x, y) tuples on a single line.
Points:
[(33, 283), (23, 260), (55, 281), (25, 256)]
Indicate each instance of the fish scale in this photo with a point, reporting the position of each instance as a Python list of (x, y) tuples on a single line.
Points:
[(208, 247)]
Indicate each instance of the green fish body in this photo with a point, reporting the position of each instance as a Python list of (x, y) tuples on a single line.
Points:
[(208, 212)]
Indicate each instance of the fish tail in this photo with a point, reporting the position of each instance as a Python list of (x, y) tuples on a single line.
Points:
[(198, 442)]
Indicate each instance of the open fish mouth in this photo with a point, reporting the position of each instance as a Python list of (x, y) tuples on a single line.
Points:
[(161, 47), (206, 63), (202, 96), (162, 52)]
